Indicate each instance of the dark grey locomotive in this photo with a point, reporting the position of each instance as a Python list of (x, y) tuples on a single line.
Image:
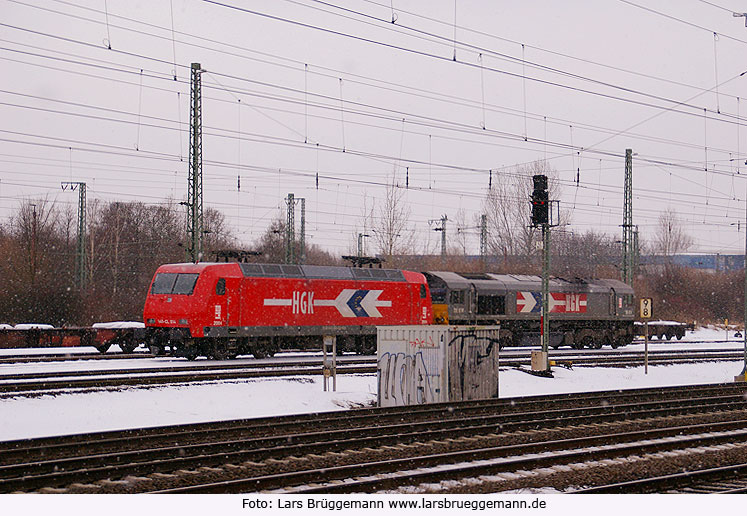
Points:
[(583, 313)]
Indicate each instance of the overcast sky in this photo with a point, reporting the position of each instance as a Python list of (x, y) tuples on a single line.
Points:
[(441, 96)]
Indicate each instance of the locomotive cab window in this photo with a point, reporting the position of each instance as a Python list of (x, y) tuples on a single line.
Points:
[(457, 297), (163, 284), (185, 284), (220, 287), (422, 292), (438, 295), (172, 283), (491, 305)]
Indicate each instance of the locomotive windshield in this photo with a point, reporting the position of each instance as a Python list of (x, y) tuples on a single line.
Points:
[(438, 295), (171, 283)]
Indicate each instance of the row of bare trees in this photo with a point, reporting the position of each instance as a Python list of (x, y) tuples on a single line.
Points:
[(125, 243)]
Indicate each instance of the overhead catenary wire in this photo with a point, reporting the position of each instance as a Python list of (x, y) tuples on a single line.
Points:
[(286, 59), (570, 151), (672, 110), (660, 161)]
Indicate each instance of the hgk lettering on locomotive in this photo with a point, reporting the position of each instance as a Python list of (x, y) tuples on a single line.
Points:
[(303, 302)]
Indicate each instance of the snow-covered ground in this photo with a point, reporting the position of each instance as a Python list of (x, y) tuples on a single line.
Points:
[(76, 412)]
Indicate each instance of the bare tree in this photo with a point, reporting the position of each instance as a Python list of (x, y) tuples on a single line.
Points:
[(586, 255), (670, 238), (392, 229), (272, 242), (271, 245), (37, 279), (508, 210), (217, 233), (462, 232)]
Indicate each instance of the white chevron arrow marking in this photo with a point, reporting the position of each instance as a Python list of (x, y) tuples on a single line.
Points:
[(529, 302), (370, 303), (340, 302)]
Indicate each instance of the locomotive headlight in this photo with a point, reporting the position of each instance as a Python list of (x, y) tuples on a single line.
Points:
[(151, 321), (184, 322)]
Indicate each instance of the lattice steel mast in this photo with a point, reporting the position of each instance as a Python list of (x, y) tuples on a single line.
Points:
[(628, 251), (81, 276), (194, 191), (442, 229), (302, 251), (290, 229)]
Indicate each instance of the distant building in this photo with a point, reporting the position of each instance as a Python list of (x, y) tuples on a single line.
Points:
[(706, 262)]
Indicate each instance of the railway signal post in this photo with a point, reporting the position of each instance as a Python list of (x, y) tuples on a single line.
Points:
[(541, 218), (329, 361), (647, 309)]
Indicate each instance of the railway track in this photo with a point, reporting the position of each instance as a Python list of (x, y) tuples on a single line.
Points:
[(724, 479), (568, 442), (34, 383), (22, 355), (180, 371), (70, 357)]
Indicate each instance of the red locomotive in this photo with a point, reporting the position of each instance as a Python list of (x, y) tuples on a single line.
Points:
[(220, 310)]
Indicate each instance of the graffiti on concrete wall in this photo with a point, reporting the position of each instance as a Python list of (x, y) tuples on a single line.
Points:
[(409, 378), (436, 364), (473, 367)]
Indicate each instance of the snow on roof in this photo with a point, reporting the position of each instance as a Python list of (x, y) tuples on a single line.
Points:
[(31, 326), (119, 324)]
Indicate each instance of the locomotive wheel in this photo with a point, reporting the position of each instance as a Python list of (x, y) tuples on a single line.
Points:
[(128, 347), (365, 345), (103, 348), (219, 351), (587, 342), (597, 344), (156, 350), (264, 348), (191, 353)]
